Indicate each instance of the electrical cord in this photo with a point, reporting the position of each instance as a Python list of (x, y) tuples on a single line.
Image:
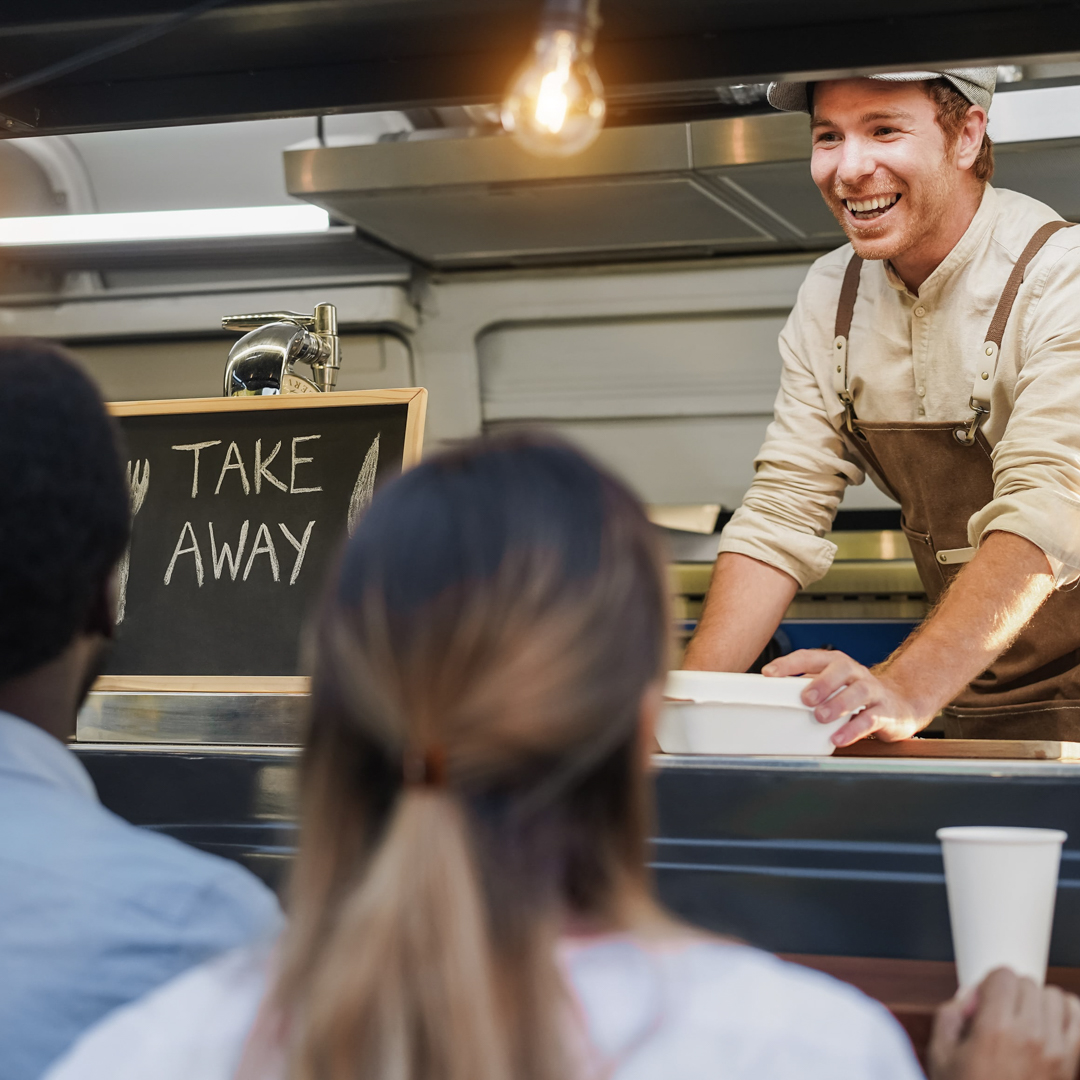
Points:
[(106, 50)]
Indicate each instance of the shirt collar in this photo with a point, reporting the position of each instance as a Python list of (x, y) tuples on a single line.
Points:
[(27, 750), (966, 246)]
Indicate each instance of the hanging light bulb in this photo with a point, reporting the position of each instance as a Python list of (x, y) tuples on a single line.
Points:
[(555, 104)]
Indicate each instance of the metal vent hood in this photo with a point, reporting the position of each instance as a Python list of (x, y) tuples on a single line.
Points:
[(454, 200)]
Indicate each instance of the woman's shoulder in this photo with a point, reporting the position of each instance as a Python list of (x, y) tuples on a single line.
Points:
[(193, 1025), (698, 1001)]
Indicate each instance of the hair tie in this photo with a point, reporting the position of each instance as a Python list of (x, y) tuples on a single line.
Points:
[(424, 768)]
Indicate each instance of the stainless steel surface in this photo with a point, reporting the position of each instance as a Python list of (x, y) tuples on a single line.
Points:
[(262, 361), (187, 718), (468, 198), (467, 156), (856, 589), (276, 783), (281, 754), (868, 577), (866, 562), (874, 766), (261, 318), (872, 577), (473, 225), (465, 197), (886, 545), (749, 140)]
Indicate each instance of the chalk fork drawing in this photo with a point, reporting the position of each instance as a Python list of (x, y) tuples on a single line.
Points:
[(364, 490), (138, 477)]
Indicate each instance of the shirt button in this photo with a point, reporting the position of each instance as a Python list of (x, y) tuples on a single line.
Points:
[(920, 311), (922, 391), (922, 411)]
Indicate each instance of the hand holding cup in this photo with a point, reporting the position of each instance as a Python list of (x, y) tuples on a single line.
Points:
[(1007, 1028)]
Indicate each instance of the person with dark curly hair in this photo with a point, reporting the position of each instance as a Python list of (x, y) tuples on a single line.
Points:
[(93, 911)]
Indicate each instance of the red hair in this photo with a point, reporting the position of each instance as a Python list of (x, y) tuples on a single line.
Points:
[(952, 113)]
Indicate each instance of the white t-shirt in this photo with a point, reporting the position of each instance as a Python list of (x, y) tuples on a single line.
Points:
[(688, 1009)]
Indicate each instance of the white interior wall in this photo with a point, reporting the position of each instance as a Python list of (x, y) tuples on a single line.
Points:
[(660, 365), (678, 404), (665, 372)]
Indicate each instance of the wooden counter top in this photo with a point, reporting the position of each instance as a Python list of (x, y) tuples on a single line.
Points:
[(977, 749), (910, 989)]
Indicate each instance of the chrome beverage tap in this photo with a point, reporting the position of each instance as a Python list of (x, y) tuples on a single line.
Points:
[(263, 360)]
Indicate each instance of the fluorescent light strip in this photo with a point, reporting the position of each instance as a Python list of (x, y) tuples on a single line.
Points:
[(163, 225)]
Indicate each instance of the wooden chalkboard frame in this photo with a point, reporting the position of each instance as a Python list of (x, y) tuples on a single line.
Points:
[(413, 397)]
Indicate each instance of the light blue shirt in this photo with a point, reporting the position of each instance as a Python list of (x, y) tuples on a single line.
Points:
[(95, 912)]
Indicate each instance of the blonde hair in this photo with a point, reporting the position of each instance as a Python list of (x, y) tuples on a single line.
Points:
[(497, 620)]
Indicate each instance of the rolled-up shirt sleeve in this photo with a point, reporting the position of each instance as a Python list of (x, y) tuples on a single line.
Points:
[(800, 473), (1037, 459)]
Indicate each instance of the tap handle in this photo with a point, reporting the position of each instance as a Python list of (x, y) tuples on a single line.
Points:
[(253, 322)]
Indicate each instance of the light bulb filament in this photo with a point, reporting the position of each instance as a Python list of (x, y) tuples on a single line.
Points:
[(552, 101), (555, 102)]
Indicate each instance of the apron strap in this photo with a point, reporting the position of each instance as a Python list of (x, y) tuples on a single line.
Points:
[(984, 373), (845, 310), (979, 401)]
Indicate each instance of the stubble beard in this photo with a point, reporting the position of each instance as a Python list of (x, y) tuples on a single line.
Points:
[(925, 213)]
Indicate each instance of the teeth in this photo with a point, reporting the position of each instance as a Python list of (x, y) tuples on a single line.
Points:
[(879, 202)]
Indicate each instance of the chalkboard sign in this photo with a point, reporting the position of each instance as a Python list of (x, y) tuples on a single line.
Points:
[(239, 505)]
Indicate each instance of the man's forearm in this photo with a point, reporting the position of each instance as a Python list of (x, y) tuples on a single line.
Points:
[(991, 600), (746, 601)]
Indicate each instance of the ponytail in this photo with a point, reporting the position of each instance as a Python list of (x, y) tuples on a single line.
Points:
[(408, 984), (502, 611)]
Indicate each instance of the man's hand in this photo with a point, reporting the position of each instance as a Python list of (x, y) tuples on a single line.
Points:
[(1009, 1029), (876, 705), (980, 615)]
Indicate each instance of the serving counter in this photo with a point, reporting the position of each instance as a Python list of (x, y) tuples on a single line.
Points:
[(831, 861), (825, 856)]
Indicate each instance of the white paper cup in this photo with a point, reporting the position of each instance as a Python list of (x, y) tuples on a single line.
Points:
[(1001, 883)]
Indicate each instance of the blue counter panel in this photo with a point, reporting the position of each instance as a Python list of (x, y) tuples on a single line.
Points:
[(867, 640), (843, 859)]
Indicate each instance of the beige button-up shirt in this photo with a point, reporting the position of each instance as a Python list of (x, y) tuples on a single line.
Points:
[(914, 358)]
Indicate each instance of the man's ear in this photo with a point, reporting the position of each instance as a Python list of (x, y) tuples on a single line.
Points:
[(101, 619), (970, 140)]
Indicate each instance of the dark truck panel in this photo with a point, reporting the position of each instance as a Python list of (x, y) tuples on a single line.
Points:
[(804, 856)]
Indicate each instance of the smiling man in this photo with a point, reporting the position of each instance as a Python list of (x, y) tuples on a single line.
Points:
[(939, 353)]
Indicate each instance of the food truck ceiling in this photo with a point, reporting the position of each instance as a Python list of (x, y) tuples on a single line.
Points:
[(244, 60)]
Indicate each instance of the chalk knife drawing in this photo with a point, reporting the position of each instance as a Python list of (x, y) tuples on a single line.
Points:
[(364, 490), (138, 477)]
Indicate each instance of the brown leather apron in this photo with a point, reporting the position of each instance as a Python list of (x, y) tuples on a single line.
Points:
[(941, 473)]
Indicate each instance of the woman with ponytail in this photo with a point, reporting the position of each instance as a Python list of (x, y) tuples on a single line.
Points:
[(470, 900)]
